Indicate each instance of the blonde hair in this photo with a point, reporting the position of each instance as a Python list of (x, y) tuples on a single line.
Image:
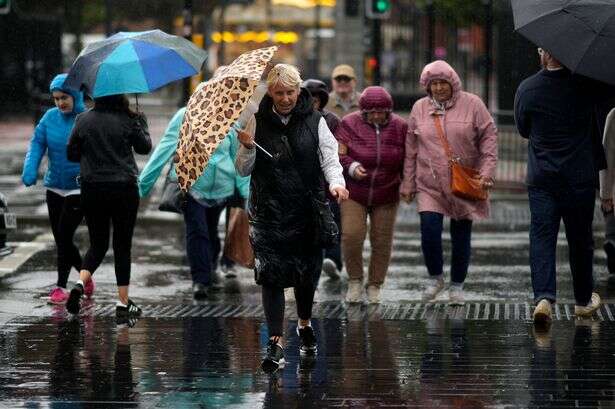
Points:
[(284, 74)]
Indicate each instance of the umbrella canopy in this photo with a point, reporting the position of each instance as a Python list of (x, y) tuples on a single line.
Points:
[(578, 33), (212, 109), (134, 62)]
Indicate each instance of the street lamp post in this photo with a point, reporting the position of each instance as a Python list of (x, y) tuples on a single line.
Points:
[(187, 14), (222, 28), (377, 49), (316, 67), (108, 17), (488, 52), (431, 31)]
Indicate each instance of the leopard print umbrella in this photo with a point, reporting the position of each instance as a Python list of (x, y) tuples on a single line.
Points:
[(212, 109)]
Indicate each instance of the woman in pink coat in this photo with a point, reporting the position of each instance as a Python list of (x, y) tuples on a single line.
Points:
[(472, 137)]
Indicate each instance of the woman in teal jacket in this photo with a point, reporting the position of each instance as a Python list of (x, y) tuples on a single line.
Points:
[(63, 193), (206, 199)]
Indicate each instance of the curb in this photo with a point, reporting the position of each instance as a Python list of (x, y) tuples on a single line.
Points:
[(22, 252)]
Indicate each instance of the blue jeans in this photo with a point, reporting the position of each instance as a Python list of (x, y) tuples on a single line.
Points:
[(576, 208), (431, 245), (202, 241)]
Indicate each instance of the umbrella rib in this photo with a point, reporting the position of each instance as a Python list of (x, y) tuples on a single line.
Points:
[(598, 35)]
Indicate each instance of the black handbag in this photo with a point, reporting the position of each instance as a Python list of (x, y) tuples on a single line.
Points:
[(327, 233), (173, 199)]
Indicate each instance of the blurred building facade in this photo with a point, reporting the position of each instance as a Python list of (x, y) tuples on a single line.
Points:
[(475, 36)]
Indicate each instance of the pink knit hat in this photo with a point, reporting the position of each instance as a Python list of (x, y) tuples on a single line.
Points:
[(375, 98)]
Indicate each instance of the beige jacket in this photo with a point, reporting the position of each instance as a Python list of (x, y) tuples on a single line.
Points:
[(337, 107)]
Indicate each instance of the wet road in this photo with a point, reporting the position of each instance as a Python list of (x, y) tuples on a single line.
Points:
[(213, 363), (184, 354)]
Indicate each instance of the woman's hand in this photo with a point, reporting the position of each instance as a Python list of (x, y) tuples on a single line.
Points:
[(340, 193), (486, 182), (245, 138), (359, 173), (407, 197)]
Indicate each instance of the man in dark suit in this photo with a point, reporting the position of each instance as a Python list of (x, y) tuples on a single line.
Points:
[(558, 112)]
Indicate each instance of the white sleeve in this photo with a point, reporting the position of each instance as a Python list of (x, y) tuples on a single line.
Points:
[(329, 160), (246, 158)]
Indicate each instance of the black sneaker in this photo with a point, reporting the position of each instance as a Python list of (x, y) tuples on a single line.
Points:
[(199, 291), (308, 340), (74, 299), (609, 249), (131, 310), (125, 320), (274, 359)]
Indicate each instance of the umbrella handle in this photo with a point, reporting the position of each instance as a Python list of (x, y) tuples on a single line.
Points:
[(137, 102), (264, 150)]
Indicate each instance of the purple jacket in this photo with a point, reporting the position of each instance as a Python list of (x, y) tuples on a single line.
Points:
[(380, 152)]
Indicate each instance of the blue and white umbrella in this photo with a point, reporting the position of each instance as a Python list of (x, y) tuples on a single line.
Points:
[(134, 62)]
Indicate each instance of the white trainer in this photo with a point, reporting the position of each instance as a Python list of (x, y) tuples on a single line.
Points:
[(433, 289), (373, 294), (355, 291), (455, 295)]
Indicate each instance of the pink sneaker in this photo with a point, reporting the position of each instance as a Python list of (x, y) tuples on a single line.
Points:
[(89, 288), (58, 296)]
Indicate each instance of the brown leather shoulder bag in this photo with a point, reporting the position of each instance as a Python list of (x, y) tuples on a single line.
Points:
[(465, 181)]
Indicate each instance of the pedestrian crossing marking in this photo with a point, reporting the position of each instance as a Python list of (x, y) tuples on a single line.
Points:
[(476, 311)]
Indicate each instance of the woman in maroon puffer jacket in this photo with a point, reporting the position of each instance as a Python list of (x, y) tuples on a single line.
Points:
[(372, 150)]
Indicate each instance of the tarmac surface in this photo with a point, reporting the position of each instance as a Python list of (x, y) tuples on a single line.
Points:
[(403, 353)]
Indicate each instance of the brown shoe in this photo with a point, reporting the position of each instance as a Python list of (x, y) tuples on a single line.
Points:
[(542, 312), (588, 310)]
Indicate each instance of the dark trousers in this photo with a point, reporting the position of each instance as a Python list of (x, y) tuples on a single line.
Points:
[(431, 245), (65, 215), (103, 205), (202, 241), (274, 304), (576, 208), (335, 253), (225, 261)]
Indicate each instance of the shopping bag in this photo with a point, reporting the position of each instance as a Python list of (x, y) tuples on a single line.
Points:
[(237, 245)]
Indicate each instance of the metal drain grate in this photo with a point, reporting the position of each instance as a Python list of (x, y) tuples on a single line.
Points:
[(337, 310)]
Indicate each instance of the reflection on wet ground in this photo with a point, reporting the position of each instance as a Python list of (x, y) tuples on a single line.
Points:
[(213, 363)]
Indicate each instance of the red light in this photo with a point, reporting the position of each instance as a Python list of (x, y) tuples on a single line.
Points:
[(372, 62)]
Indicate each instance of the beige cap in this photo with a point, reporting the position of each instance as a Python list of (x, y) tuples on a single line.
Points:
[(343, 69)]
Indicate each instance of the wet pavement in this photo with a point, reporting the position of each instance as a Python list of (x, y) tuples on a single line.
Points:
[(214, 363), (403, 353)]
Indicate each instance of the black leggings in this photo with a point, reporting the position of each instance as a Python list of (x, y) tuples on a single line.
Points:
[(65, 215), (103, 205), (274, 304)]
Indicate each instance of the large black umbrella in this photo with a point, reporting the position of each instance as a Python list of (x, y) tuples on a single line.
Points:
[(579, 33)]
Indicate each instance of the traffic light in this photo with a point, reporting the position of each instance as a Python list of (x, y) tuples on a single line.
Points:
[(5, 6), (378, 8)]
